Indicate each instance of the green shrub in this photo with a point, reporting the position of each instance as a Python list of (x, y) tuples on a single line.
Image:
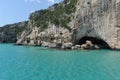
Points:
[(59, 15)]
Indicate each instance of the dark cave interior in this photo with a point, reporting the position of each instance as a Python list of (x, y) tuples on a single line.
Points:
[(96, 41)]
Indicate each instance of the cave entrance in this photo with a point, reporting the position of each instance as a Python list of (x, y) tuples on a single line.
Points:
[(95, 41)]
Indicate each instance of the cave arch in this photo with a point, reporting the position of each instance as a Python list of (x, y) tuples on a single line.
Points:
[(96, 41)]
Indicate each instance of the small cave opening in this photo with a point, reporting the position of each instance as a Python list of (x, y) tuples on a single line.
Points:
[(95, 41)]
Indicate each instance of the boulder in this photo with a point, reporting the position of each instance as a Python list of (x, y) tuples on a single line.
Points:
[(52, 45), (45, 44), (77, 46), (67, 45), (83, 46), (73, 47), (89, 43), (96, 47)]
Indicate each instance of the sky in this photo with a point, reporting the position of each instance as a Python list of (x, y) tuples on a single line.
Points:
[(12, 11)]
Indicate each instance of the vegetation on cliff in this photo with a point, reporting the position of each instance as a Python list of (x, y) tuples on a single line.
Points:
[(59, 14), (8, 33), (65, 24)]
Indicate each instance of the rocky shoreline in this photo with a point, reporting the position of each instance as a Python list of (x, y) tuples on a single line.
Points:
[(71, 24), (54, 38), (67, 46)]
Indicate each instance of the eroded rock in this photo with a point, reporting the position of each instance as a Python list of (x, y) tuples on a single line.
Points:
[(67, 45), (92, 18)]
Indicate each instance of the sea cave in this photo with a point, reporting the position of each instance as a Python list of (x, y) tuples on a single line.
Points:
[(95, 41)]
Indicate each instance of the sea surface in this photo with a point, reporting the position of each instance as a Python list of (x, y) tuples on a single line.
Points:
[(38, 63)]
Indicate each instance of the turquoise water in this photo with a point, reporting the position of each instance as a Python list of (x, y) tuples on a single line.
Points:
[(35, 63)]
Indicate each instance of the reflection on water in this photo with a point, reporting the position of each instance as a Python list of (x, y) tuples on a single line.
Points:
[(38, 63)]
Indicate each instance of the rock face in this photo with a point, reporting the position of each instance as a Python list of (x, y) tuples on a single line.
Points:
[(9, 33), (51, 37), (79, 24), (98, 19)]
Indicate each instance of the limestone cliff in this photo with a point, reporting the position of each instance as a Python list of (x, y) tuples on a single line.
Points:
[(50, 27), (99, 19), (9, 33), (75, 23)]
